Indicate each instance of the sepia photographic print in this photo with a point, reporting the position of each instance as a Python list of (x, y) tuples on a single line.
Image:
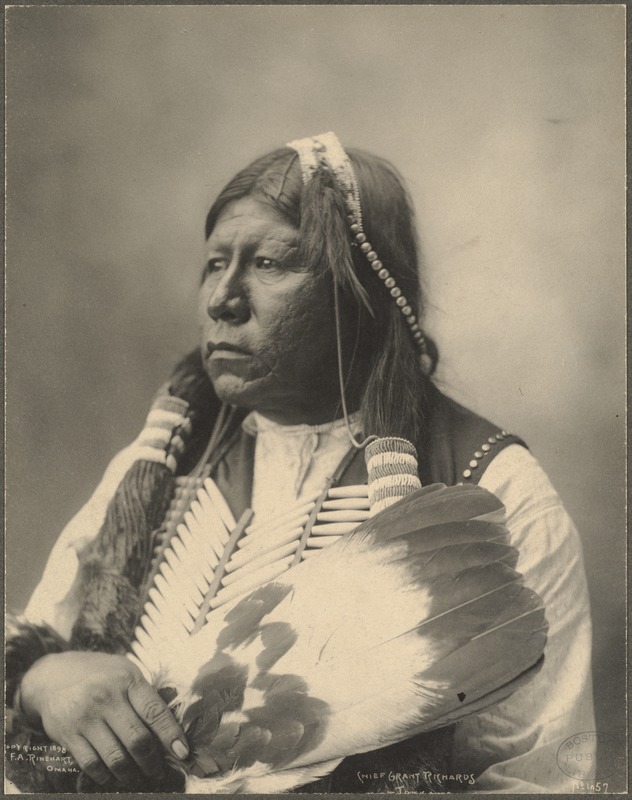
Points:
[(315, 399)]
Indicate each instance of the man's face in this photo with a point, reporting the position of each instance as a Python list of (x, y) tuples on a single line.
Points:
[(268, 326)]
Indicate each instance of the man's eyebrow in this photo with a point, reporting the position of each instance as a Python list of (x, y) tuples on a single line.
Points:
[(289, 242)]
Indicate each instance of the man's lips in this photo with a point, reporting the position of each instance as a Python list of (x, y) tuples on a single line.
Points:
[(225, 350)]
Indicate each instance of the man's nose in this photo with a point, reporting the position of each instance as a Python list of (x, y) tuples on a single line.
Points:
[(227, 300)]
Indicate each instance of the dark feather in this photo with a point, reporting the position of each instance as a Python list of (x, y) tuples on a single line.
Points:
[(427, 507)]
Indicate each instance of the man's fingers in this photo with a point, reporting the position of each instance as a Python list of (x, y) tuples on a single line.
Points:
[(153, 711), (142, 745), (88, 760), (112, 753)]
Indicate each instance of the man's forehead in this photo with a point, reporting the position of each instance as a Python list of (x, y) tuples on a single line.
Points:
[(250, 219)]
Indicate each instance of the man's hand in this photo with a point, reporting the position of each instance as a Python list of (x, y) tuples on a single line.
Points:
[(104, 712)]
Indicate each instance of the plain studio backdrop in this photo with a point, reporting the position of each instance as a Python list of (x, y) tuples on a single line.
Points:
[(123, 123)]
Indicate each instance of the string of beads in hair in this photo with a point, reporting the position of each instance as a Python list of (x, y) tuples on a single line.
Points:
[(326, 152), (389, 282)]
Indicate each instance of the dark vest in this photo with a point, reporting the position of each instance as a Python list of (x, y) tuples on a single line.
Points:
[(459, 447)]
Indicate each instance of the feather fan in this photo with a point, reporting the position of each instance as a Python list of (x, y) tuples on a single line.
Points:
[(411, 621)]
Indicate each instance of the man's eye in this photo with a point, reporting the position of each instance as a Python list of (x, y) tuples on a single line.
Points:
[(214, 265), (269, 270), (267, 264)]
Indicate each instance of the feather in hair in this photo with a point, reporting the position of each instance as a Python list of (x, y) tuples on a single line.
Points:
[(324, 234)]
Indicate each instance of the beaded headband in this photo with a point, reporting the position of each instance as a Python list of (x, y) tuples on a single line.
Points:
[(325, 152)]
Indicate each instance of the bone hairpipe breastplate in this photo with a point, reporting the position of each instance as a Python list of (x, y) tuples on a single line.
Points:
[(209, 558)]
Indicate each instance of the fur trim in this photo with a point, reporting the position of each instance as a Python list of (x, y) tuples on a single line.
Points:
[(114, 566), (26, 643)]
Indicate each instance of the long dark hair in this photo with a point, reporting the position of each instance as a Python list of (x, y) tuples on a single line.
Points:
[(396, 394)]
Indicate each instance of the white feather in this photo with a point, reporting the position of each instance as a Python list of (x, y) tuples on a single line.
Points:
[(259, 780), (354, 655)]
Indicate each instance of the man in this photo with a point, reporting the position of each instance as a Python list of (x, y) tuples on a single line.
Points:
[(309, 302)]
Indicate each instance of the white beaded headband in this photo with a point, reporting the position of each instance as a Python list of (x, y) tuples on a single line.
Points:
[(325, 152)]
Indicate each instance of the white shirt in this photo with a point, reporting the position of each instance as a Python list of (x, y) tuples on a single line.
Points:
[(292, 462), (514, 744), (512, 747)]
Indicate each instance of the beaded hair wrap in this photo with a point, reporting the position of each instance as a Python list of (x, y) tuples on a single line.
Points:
[(325, 152)]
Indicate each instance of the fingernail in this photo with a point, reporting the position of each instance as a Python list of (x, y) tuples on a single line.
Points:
[(180, 749)]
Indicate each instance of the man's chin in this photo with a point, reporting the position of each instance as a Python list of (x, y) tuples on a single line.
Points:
[(237, 392)]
